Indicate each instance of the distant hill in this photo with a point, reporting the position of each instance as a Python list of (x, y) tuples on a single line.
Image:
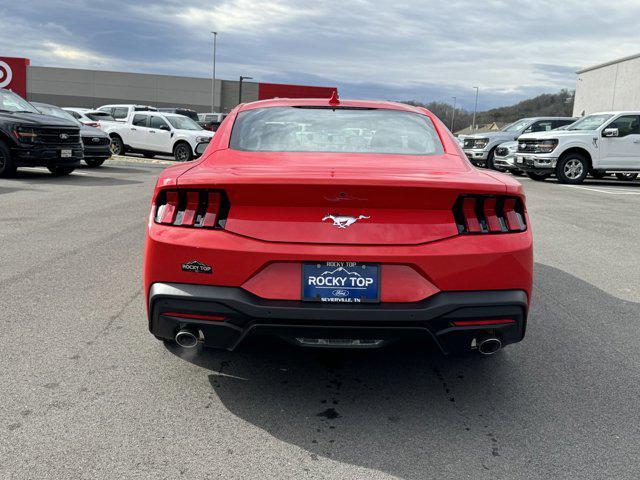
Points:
[(548, 104)]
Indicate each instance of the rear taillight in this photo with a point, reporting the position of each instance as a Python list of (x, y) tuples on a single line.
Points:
[(480, 323), (191, 208), (194, 316), (477, 214)]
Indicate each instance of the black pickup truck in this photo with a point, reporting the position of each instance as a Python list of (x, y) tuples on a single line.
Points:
[(30, 139)]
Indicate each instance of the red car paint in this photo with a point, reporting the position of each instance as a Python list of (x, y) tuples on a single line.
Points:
[(277, 202)]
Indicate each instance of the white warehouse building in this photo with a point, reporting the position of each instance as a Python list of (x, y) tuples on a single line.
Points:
[(613, 85)]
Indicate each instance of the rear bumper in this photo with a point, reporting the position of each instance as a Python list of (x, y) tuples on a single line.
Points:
[(170, 305), (463, 262)]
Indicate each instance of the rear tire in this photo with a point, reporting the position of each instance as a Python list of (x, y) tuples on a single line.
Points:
[(182, 152), (538, 177), (573, 168), (94, 162), (117, 146), (7, 167), (626, 177), (61, 171)]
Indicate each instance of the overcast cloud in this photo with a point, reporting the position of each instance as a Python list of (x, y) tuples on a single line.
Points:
[(396, 50)]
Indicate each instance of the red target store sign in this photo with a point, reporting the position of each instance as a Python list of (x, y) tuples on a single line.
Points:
[(13, 74)]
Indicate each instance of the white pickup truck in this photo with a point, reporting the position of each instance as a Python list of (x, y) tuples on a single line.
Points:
[(156, 133), (597, 144)]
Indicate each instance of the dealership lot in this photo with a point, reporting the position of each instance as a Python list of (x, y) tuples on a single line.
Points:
[(89, 393)]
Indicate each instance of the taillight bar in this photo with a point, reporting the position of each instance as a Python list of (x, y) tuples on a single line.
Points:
[(483, 323), (191, 208), (195, 316), (479, 214)]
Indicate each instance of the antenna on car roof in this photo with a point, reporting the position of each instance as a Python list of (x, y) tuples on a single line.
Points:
[(334, 100)]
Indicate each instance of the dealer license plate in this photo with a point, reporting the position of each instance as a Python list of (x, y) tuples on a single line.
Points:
[(65, 153), (341, 282)]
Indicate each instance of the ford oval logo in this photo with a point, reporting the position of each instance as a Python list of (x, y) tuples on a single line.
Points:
[(340, 293), (64, 136)]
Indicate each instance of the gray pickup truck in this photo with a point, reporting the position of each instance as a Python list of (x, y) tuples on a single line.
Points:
[(480, 148)]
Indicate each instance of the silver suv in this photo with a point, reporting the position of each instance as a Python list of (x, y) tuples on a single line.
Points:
[(480, 148), (504, 158)]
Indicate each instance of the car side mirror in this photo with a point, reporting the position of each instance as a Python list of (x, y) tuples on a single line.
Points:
[(201, 148), (165, 128), (610, 132)]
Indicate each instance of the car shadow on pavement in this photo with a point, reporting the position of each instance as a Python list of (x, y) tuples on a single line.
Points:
[(4, 190), (411, 412), (590, 182), (111, 168), (85, 178)]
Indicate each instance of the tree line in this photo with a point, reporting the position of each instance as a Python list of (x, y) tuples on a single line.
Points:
[(546, 105)]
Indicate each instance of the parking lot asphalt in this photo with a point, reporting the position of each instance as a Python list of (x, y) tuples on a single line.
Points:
[(88, 393)]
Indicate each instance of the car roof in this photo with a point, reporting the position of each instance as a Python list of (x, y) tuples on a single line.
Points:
[(128, 105), (545, 118), (619, 112), (324, 102), (158, 113)]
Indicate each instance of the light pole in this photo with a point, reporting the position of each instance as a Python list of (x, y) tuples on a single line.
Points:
[(475, 109), (213, 77), (453, 115), (240, 88)]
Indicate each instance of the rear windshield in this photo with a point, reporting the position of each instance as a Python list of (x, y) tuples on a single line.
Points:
[(348, 130)]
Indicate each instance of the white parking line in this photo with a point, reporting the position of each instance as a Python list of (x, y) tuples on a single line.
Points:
[(610, 191)]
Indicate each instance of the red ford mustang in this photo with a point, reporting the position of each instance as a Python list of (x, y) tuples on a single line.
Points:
[(338, 224)]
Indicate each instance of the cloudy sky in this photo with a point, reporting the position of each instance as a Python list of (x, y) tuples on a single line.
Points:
[(389, 49)]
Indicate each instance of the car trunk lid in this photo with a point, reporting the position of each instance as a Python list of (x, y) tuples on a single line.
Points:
[(360, 199)]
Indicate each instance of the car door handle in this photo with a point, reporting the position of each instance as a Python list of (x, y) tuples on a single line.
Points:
[(636, 141), (152, 131), (134, 129)]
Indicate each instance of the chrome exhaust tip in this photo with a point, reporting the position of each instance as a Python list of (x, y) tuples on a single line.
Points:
[(489, 345), (187, 338)]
